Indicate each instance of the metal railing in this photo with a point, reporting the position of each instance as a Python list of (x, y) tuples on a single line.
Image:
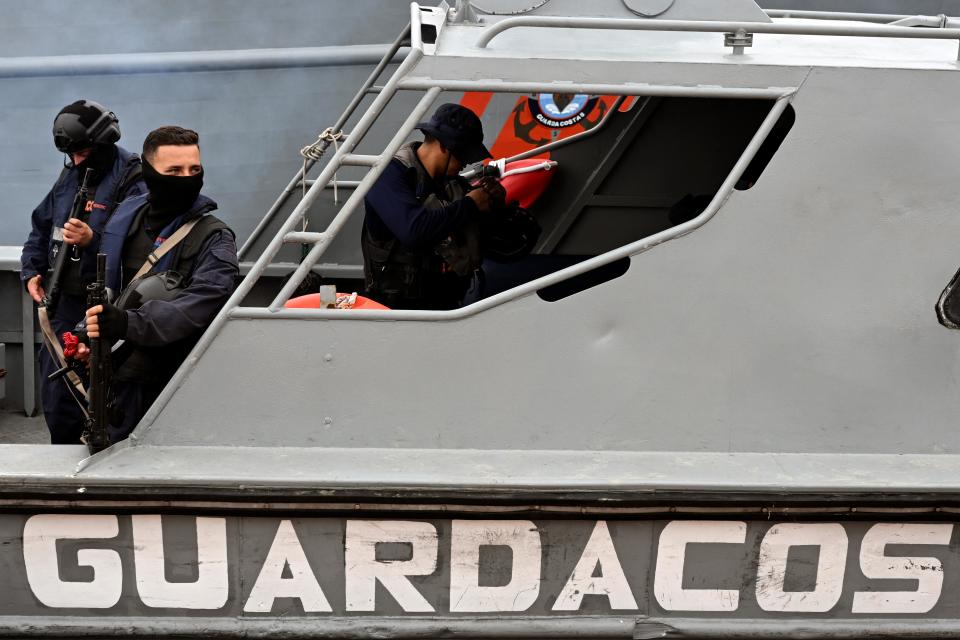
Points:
[(369, 87), (940, 21), (691, 26), (782, 97), (323, 239)]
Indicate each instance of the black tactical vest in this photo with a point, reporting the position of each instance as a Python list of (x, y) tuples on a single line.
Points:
[(156, 365)]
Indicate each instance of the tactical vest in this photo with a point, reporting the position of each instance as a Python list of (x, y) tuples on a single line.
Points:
[(119, 182), (180, 259), (155, 365), (432, 279)]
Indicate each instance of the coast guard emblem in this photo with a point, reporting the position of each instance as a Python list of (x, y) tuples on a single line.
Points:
[(561, 110)]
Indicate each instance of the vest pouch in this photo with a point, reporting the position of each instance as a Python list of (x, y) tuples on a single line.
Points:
[(391, 273), (394, 281), (461, 250), (163, 286)]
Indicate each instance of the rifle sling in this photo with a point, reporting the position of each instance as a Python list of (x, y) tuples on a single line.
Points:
[(166, 246), (56, 352)]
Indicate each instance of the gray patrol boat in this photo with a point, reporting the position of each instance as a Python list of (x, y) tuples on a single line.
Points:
[(730, 413)]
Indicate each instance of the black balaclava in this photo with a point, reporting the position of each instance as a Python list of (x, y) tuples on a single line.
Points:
[(170, 196), (101, 160)]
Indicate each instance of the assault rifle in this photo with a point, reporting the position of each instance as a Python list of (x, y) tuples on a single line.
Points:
[(101, 369), (79, 211)]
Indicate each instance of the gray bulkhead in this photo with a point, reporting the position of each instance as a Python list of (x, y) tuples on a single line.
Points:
[(786, 343)]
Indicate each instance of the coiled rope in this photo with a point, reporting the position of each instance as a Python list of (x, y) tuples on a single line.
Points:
[(314, 152)]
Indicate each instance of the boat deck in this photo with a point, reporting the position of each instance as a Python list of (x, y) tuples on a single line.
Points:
[(16, 428)]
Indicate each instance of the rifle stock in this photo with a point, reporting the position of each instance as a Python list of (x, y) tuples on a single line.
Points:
[(55, 286), (101, 370)]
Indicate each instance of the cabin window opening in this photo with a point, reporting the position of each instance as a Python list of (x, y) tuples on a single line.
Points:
[(650, 169), (657, 164), (428, 33), (628, 169), (584, 281), (767, 150)]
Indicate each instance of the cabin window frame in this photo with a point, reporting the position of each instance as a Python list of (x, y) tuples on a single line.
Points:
[(781, 98), (233, 311)]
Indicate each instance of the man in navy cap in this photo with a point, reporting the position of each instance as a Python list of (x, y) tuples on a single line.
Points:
[(421, 241)]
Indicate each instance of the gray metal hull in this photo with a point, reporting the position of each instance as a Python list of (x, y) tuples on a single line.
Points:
[(641, 573)]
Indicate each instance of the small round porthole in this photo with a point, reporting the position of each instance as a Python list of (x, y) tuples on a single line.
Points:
[(648, 8), (507, 7)]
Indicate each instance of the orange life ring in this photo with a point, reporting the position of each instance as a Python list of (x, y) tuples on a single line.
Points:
[(312, 301)]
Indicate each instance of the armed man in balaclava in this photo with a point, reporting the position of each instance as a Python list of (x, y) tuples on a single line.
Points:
[(67, 225), (175, 266)]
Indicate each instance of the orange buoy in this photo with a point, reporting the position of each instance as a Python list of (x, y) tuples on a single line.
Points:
[(312, 301), (526, 188)]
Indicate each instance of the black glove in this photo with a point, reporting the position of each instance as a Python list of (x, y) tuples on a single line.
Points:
[(112, 322)]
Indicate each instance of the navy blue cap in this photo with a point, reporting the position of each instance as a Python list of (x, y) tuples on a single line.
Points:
[(459, 130)]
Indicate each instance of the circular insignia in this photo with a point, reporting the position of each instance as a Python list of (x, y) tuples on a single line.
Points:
[(507, 7), (560, 110), (648, 8)]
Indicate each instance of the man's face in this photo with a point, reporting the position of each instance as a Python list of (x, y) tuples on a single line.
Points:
[(79, 156), (454, 166), (177, 160)]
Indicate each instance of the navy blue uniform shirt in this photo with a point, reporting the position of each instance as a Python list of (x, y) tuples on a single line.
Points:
[(394, 207)]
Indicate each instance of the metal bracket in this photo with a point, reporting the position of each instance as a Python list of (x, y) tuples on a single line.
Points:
[(739, 40)]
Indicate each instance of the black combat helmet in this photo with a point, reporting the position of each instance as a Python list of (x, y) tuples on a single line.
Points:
[(84, 124)]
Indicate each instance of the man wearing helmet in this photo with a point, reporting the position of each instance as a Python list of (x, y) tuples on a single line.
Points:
[(86, 132), (421, 243)]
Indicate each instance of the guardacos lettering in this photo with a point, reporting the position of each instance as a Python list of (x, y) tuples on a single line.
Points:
[(332, 566)]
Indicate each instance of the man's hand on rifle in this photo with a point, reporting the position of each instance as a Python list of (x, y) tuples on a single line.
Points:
[(492, 186), (77, 232), (75, 347), (35, 289), (481, 198), (106, 321), (83, 353), (488, 194)]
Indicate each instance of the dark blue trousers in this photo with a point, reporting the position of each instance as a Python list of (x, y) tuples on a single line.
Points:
[(131, 399), (60, 409)]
